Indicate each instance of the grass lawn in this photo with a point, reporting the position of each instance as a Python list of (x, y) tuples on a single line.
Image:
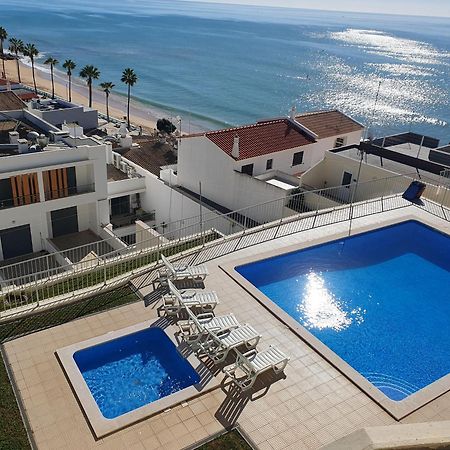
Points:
[(228, 441), (12, 431)]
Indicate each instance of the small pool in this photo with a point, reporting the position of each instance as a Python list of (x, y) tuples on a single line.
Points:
[(134, 370), (379, 300)]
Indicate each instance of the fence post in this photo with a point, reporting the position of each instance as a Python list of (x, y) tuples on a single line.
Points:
[(37, 290), (104, 272)]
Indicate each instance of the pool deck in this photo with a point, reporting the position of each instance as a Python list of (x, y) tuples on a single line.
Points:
[(313, 406)]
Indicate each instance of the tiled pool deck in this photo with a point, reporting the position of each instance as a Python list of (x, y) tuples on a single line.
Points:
[(314, 405)]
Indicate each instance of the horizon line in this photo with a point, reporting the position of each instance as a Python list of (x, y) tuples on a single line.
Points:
[(238, 3)]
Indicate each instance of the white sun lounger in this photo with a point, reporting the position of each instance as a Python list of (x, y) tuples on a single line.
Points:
[(196, 327), (253, 363), (176, 301), (183, 271), (217, 345)]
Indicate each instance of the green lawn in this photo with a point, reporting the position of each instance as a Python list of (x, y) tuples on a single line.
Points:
[(228, 441), (12, 431)]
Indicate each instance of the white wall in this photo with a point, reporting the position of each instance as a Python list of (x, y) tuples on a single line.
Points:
[(170, 205), (90, 163), (200, 160), (373, 181)]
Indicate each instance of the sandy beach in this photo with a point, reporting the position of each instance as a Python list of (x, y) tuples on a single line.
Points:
[(139, 115)]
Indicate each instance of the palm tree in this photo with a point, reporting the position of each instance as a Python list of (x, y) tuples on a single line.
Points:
[(69, 65), (31, 51), (16, 47), (107, 87), (3, 36), (90, 73), (130, 78), (52, 62)]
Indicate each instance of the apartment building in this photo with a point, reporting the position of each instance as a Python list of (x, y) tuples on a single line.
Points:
[(247, 165)]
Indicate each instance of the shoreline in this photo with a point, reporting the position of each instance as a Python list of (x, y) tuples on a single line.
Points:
[(140, 115)]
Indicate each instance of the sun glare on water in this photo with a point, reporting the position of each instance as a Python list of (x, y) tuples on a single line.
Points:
[(321, 309)]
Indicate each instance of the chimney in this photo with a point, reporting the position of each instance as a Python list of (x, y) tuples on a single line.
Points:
[(8, 85), (235, 151), (293, 112)]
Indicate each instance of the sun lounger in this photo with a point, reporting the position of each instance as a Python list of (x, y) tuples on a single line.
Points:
[(254, 363), (183, 271), (195, 328), (176, 301), (217, 345)]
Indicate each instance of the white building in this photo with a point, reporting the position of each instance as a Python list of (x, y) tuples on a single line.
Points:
[(248, 165), (53, 182), (58, 111)]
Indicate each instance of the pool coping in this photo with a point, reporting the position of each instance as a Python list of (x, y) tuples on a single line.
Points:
[(102, 426), (398, 410)]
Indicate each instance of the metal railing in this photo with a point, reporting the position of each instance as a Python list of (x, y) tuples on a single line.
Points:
[(19, 200), (69, 191), (87, 269)]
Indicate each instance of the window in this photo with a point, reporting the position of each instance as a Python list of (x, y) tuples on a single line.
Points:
[(248, 169), (297, 159), (269, 164), (340, 141), (347, 179)]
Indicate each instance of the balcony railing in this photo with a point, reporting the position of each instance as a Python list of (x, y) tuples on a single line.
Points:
[(122, 220), (69, 191), (20, 200)]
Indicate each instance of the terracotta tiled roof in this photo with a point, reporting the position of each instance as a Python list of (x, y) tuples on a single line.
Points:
[(280, 134), (261, 138), (10, 102), (328, 123)]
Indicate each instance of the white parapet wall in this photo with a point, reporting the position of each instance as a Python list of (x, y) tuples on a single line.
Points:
[(147, 237), (402, 436)]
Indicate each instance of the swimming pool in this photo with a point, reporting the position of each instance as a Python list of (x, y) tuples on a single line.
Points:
[(131, 371), (379, 300)]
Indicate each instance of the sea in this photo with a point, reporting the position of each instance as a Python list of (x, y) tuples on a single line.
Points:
[(218, 65)]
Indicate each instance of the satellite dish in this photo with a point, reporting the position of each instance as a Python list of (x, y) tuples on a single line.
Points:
[(32, 135)]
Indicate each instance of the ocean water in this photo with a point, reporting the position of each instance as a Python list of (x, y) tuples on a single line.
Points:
[(378, 300), (218, 65)]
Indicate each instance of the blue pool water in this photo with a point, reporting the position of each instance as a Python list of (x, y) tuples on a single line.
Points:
[(379, 300), (131, 371)]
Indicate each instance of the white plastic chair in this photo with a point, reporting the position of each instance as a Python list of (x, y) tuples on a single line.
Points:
[(176, 301), (254, 363), (217, 345), (195, 328), (184, 271)]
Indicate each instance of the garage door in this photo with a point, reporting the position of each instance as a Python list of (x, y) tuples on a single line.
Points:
[(16, 241), (64, 221)]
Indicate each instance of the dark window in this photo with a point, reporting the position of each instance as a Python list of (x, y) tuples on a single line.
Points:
[(297, 159), (346, 178), (340, 141), (269, 164), (248, 169), (6, 194), (120, 205)]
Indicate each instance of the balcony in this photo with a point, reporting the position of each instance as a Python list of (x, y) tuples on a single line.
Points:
[(122, 220), (69, 191), (20, 200)]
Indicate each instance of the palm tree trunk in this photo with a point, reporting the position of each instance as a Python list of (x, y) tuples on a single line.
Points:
[(18, 67), (53, 83), (90, 94), (34, 77), (128, 107), (3, 58), (70, 88), (107, 107)]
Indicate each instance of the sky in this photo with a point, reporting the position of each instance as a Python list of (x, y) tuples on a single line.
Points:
[(438, 8)]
